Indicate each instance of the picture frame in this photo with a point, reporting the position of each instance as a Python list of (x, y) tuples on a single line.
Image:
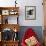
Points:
[(5, 12), (30, 12)]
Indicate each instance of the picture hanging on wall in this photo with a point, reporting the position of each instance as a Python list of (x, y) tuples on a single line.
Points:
[(30, 12)]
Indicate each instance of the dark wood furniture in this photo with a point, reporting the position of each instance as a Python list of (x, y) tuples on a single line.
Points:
[(10, 43), (4, 13)]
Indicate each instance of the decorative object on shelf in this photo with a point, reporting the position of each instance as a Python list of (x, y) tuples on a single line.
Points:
[(15, 30), (15, 34), (13, 12), (15, 3), (30, 12), (15, 37), (6, 21), (5, 12), (7, 34)]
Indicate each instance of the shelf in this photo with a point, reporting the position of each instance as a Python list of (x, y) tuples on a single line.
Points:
[(9, 7), (9, 10), (9, 19), (5, 12), (10, 26), (11, 15), (11, 41)]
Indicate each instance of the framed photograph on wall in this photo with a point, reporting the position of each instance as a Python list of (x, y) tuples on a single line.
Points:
[(30, 12)]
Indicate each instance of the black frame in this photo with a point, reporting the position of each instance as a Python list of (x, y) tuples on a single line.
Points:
[(34, 8)]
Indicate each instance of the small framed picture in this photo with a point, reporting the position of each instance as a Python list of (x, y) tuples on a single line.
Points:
[(30, 12), (5, 12)]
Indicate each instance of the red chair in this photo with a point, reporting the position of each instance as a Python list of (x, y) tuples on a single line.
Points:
[(29, 33)]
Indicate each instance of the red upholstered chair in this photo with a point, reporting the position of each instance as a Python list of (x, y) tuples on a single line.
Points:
[(29, 34)]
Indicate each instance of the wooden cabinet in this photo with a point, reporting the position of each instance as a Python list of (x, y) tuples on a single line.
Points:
[(9, 43), (5, 26), (6, 12)]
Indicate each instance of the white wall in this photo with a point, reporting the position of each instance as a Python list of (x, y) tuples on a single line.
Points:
[(7, 3), (39, 13), (22, 4)]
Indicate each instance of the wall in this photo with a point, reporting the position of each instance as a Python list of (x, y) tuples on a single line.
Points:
[(39, 13), (7, 3), (22, 4), (36, 29)]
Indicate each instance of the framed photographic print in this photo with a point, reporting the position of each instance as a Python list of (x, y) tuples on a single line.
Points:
[(30, 12), (5, 12)]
